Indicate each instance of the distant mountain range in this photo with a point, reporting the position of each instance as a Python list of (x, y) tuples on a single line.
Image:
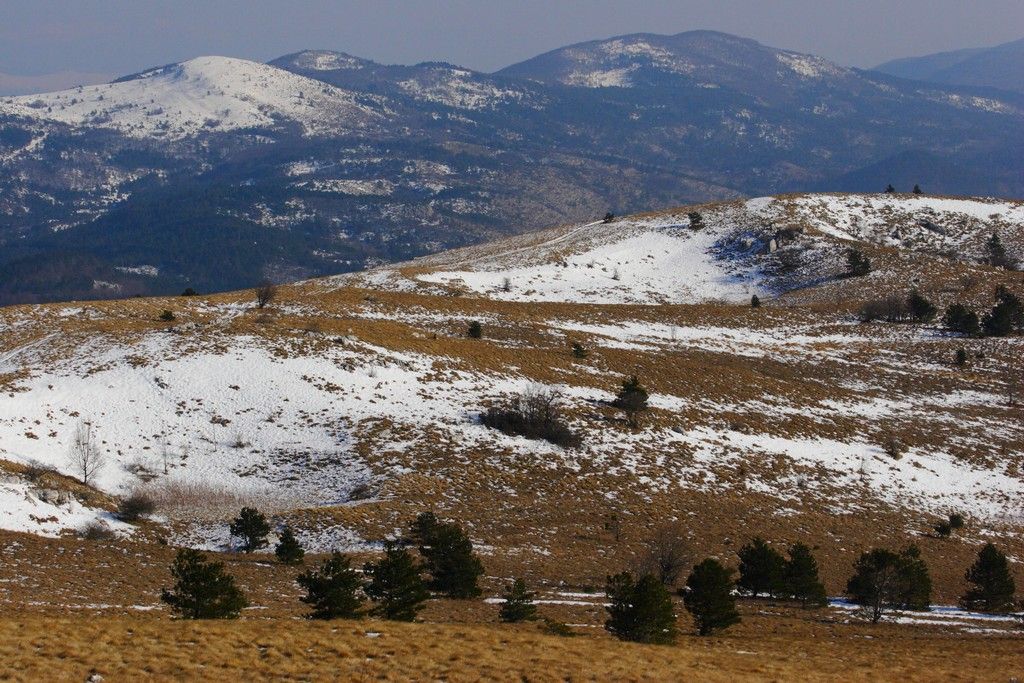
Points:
[(217, 172), (1001, 66)]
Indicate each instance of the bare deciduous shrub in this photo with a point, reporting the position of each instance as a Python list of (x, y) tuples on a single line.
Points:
[(893, 446), (534, 414), (97, 531), (135, 506), (84, 456), (265, 292), (35, 471), (666, 555), (892, 308), (197, 500)]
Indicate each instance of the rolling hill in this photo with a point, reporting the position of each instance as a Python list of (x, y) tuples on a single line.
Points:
[(1001, 67)]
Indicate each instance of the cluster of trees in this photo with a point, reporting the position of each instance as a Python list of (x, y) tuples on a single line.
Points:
[(889, 189), (399, 582), (1005, 317), (896, 309), (534, 414)]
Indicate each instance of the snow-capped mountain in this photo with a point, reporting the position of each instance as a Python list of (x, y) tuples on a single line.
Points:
[(321, 162), (212, 94)]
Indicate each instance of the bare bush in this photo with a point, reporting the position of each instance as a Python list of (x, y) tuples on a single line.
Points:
[(265, 292), (893, 446), (85, 457), (534, 414), (198, 500), (97, 531), (135, 506), (892, 308), (666, 555)]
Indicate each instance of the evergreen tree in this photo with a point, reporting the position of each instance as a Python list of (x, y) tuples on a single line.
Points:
[(422, 529), (857, 264), (960, 357), (640, 611), (921, 310), (761, 569), (917, 189), (1007, 315), (915, 583), (202, 589), (333, 589), (992, 585), (288, 550), (631, 399), (755, 302), (252, 527), (959, 318), (518, 605), (997, 255), (875, 584), (579, 351), (800, 577), (475, 330), (395, 584), (609, 217), (889, 189), (453, 566), (708, 597), (696, 220)]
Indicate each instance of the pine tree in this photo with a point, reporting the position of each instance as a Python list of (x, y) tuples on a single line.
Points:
[(475, 330), (917, 189), (708, 597), (640, 611), (422, 529), (1007, 315), (960, 357), (889, 189), (921, 310), (915, 583), (288, 550), (202, 589), (579, 351), (875, 583), (608, 217), (395, 584), (252, 527), (857, 264), (632, 400), (997, 255), (696, 220), (992, 585), (959, 318), (755, 301), (761, 569), (518, 605), (449, 558), (333, 589), (800, 577)]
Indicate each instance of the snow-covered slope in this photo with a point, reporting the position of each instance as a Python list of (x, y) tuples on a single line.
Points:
[(202, 94), (738, 251)]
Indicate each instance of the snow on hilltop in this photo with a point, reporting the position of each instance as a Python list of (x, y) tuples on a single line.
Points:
[(661, 258), (202, 94)]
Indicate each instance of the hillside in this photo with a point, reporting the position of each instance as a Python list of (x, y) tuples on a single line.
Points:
[(1001, 66), (216, 172), (350, 404)]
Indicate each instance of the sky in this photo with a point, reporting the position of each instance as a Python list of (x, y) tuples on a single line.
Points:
[(118, 37)]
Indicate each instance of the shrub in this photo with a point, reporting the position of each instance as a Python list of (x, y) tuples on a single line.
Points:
[(761, 569), (755, 302), (708, 597), (475, 330), (333, 589), (202, 590), (252, 527), (518, 605), (97, 531), (449, 558), (640, 611), (265, 292), (800, 577), (137, 505), (395, 584), (632, 400), (992, 586), (579, 351), (533, 414), (557, 628), (857, 264), (959, 318), (167, 316), (921, 310), (288, 550), (956, 521), (960, 357), (189, 292), (608, 217), (696, 220), (893, 446)]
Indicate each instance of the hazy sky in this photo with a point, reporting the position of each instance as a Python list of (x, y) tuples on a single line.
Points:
[(123, 36)]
